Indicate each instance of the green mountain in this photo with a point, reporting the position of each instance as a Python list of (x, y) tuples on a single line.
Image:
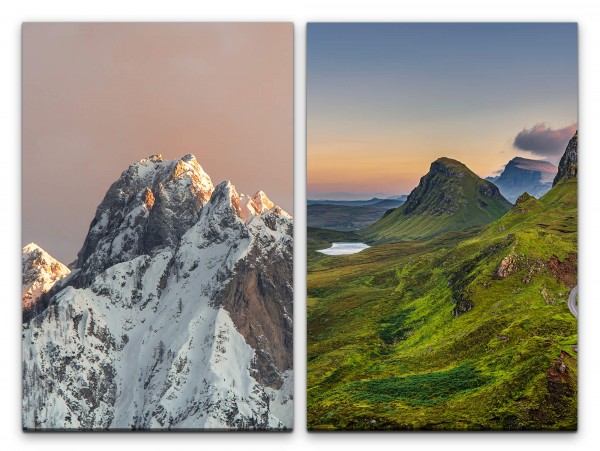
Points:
[(450, 197), (468, 330)]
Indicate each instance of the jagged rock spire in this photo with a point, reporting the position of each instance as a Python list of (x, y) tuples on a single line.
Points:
[(567, 168)]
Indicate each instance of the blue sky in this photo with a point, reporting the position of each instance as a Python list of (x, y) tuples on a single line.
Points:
[(403, 94)]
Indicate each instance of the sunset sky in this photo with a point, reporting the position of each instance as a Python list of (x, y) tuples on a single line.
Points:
[(98, 97), (385, 100)]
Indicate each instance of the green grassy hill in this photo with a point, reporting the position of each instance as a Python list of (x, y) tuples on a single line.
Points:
[(468, 330), (450, 197)]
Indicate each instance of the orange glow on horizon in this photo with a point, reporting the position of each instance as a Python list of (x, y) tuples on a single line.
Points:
[(367, 167)]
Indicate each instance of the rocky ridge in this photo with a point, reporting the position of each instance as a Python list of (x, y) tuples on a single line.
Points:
[(178, 313), (567, 168)]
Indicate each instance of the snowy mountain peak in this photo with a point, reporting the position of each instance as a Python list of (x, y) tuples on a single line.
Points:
[(245, 207), (178, 314), (31, 247), (147, 209), (155, 170), (188, 167), (226, 196), (262, 202), (153, 158), (40, 272)]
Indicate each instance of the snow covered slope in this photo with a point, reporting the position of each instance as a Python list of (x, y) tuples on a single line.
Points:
[(40, 272), (177, 315)]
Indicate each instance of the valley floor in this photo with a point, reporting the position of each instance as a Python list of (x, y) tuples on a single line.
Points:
[(470, 330)]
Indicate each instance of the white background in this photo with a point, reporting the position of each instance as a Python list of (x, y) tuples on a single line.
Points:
[(300, 12)]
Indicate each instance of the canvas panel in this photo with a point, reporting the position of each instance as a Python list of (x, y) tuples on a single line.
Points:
[(442, 226), (173, 308)]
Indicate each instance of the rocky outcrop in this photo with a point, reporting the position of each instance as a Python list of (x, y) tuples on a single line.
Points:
[(507, 266), (565, 270), (262, 309), (567, 168), (525, 204), (448, 167)]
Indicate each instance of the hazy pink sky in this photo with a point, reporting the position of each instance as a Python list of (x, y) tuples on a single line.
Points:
[(98, 97)]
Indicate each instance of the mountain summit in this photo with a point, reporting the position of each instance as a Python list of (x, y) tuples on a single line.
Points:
[(149, 207), (567, 168), (449, 197), (524, 175), (40, 272), (178, 313)]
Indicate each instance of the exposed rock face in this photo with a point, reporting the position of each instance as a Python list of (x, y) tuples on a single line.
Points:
[(148, 208), (524, 175), (507, 266), (567, 168), (448, 167), (261, 309), (566, 270), (40, 272), (178, 315), (428, 183)]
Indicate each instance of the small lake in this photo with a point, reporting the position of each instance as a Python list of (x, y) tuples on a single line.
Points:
[(344, 248)]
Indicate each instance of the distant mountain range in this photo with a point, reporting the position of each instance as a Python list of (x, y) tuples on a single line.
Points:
[(390, 202), (341, 217), (449, 197), (342, 195), (349, 215), (522, 175)]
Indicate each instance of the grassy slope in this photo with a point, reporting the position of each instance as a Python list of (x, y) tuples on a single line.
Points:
[(424, 222), (386, 351)]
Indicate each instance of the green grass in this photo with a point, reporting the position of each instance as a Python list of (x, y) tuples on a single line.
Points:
[(389, 347), (420, 389), (395, 327)]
